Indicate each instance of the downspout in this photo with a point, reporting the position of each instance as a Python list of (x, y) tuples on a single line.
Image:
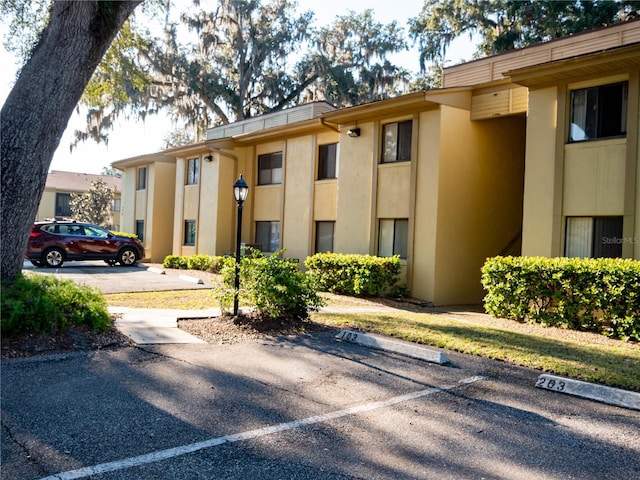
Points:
[(325, 124)]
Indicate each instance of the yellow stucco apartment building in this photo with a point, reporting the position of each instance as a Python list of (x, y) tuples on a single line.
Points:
[(531, 152), (56, 199)]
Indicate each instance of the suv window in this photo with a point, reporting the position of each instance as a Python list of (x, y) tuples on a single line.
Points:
[(90, 231)]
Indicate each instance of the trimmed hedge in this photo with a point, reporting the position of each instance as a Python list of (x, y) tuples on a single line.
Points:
[(598, 295), (204, 263), (46, 304), (352, 274)]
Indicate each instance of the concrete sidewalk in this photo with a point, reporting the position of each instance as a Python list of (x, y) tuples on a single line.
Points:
[(149, 326)]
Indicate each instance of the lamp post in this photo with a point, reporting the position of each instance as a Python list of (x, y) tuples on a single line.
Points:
[(240, 191)]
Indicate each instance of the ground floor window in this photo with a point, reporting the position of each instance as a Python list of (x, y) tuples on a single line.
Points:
[(63, 205), (393, 237), (268, 236), (324, 237), (594, 237), (140, 230), (189, 232)]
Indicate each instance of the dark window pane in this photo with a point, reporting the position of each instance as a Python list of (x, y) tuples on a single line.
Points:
[(140, 230), (400, 238), (404, 141), (270, 168), (327, 161), (63, 205), (612, 116), (190, 232), (607, 237), (324, 237)]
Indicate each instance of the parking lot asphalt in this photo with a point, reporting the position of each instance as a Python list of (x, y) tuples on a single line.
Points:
[(120, 279), (303, 407)]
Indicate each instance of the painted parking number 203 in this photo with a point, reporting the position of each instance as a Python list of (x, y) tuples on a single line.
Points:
[(550, 384)]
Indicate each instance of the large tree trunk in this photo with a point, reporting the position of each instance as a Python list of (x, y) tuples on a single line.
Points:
[(38, 108)]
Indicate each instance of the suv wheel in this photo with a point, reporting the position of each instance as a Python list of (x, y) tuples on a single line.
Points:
[(53, 257), (127, 257), (36, 263)]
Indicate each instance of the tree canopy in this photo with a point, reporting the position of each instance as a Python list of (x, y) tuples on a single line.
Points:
[(503, 25), (94, 205), (239, 59)]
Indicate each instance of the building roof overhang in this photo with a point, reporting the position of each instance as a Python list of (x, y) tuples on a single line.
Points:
[(604, 62), (459, 97)]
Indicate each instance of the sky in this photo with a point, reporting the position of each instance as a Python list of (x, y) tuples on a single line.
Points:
[(131, 138)]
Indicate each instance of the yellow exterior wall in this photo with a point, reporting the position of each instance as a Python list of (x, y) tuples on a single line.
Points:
[(325, 197), (540, 220), (267, 203), (296, 225), (159, 223), (594, 178), (423, 284), (178, 224), (47, 206), (128, 205), (353, 229), (393, 192), (479, 200)]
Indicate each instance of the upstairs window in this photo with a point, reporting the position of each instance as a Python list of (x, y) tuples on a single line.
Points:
[(599, 112), (270, 168), (327, 156), (142, 179), (193, 171), (396, 142)]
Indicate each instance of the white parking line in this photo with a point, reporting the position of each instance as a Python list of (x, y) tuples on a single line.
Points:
[(260, 432)]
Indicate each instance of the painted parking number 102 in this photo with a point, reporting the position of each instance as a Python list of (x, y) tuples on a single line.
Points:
[(550, 384)]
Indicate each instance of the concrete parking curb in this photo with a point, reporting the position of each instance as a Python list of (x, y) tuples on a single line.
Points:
[(395, 346), (591, 391), (156, 270), (188, 278)]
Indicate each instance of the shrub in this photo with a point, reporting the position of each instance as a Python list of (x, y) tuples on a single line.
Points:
[(46, 304), (600, 295), (175, 261), (360, 275), (275, 286), (204, 263), (124, 234)]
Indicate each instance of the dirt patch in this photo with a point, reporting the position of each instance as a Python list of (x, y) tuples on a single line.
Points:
[(228, 330), (75, 339)]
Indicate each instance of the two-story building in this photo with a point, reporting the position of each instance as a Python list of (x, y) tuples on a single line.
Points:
[(531, 152), (56, 199)]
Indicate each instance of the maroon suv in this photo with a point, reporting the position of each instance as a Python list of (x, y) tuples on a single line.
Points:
[(53, 243)]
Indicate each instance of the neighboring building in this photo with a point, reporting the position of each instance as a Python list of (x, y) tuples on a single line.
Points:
[(531, 152), (55, 202)]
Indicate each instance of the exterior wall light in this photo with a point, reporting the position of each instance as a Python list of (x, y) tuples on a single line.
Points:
[(354, 132), (208, 158)]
